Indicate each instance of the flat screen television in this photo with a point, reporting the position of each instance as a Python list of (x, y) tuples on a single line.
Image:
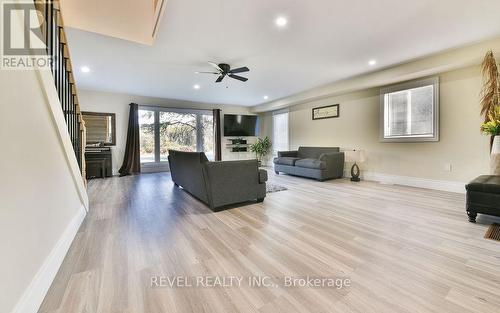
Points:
[(241, 125)]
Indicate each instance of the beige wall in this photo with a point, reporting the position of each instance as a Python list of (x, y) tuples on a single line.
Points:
[(442, 62), (97, 101), (38, 196), (461, 143), (125, 19)]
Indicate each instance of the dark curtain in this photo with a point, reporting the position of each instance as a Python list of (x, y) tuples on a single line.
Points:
[(217, 135), (132, 158)]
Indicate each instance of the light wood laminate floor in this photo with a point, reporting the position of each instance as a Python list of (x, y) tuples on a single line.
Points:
[(404, 250)]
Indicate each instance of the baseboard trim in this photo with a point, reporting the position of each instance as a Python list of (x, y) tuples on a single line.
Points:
[(33, 296), (442, 185), (155, 168)]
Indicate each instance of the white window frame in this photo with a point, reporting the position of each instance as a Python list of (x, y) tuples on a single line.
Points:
[(287, 112), (433, 81)]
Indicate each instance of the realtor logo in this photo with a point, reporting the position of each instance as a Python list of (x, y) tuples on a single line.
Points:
[(23, 45)]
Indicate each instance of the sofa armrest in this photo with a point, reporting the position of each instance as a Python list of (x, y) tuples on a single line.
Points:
[(262, 176), (334, 163), (292, 154)]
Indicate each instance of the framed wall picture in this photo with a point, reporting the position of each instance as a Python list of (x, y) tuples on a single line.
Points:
[(328, 111)]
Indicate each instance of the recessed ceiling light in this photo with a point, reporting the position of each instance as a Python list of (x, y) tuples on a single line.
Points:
[(372, 62), (85, 69), (196, 86), (266, 97), (281, 21)]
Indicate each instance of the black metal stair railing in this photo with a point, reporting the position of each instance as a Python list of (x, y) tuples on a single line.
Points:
[(57, 50)]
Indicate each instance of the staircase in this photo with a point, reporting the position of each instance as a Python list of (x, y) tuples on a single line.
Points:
[(62, 72)]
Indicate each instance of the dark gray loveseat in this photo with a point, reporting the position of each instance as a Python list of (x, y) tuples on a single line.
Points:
[(320, 163), (217, 183)]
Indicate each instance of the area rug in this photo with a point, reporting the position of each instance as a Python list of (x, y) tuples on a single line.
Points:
[(274, 188), (493, 232)]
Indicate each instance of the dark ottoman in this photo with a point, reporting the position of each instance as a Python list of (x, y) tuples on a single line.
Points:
[(483, 196)]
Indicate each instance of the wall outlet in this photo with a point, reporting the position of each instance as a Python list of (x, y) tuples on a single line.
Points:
[(447, 167)]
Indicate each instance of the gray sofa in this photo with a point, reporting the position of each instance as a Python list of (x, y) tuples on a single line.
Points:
[(320, 163), (217, 184)]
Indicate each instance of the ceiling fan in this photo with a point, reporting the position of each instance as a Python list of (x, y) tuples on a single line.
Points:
[(223, 70)]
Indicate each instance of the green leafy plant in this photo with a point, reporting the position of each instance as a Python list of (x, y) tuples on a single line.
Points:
[(261, 147), (492, 126)]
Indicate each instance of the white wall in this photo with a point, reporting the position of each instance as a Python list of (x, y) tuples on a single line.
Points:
[(40, 206), (461, 143), (98, 101)]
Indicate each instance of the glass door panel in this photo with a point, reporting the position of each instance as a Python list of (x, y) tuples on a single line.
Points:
[(177, 131), (147, 136), (206, 136)]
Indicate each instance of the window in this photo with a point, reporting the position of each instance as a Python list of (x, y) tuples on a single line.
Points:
[(177, 132), (161, 129), (147, 135), (280, 132), (410, 111)]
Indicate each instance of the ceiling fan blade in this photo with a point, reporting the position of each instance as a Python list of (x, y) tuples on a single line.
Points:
[(216, 66), (220, 78), (207, 73), (239, 70), (243, 79)]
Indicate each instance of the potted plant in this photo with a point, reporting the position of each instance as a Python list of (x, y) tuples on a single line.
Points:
[(492, 125), (490, 95), (490, 108), (261, 148), (492, 128)]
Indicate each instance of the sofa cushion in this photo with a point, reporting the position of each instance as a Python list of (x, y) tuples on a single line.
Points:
[(485, 183), (311, 163), (285, 161), (291, 154), (315, 152)]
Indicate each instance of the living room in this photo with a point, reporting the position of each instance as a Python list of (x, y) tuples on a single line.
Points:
[(236, 156)]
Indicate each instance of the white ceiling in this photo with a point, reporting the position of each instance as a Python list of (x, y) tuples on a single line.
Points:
[(324, 41)]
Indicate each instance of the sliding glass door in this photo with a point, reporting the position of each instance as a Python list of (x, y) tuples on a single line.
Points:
[(206, 135), (147, 135), (177, 132), (162, 129)]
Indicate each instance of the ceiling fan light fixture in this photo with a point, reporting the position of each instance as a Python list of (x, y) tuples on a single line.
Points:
[(224, 70)]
